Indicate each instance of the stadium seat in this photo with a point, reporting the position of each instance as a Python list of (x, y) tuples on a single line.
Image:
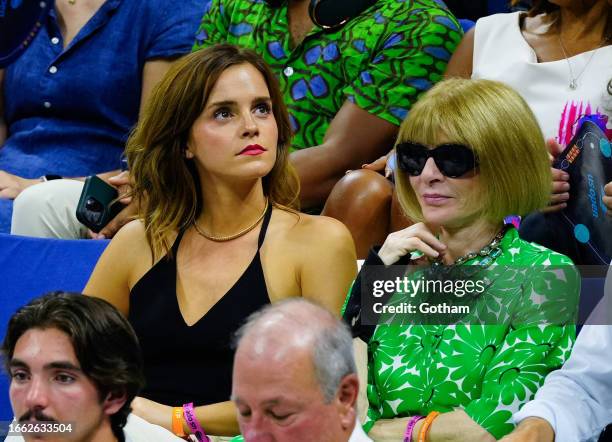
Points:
[(30, 267)]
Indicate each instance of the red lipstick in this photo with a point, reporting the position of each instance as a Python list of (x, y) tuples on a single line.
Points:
[(252, 149)]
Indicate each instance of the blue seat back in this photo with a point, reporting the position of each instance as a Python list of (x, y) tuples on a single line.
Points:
[(30, 267)]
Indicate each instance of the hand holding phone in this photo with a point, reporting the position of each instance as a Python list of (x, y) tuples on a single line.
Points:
[(98, 204)]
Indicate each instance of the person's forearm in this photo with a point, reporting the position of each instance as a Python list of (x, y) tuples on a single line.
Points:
[(318, 174), (218, 419), (455, 426)]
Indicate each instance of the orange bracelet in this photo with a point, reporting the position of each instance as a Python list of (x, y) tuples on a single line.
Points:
[(426, 424), (177, 421)]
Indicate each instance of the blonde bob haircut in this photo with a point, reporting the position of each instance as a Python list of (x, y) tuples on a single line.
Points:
[(165, 182), (493, 120)]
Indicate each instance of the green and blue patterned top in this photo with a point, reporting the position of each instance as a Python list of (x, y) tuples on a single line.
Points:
[(487, 368), (382, 60)]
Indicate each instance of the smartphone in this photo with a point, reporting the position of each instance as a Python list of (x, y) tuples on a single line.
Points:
[(98, 204)]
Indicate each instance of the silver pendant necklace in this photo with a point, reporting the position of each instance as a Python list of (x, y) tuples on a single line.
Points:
[(573, 80)]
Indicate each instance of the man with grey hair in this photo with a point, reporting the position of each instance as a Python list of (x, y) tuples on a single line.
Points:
[(294, 376)]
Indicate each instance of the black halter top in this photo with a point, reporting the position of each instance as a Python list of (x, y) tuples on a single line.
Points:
[(192, 363)]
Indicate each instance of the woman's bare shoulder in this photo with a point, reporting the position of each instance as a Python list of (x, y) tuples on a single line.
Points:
[(320, 252), (127, 258), (300, 227), (112, 277), (311, 241), (127, 251), (131, 236), (131, 244)]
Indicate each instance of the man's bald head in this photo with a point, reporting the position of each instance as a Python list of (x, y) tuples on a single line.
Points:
[(293, 326), (294, 377)]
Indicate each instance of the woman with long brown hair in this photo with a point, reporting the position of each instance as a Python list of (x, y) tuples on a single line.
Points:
[(218, 235)]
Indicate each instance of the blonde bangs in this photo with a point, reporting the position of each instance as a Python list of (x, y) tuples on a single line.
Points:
[(497, 124)]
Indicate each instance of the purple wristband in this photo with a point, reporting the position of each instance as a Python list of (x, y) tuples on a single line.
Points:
[(193, 423), (411, 423)]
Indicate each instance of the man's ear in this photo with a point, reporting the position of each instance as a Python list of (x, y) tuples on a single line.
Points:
[(346, 400), (113, 402)]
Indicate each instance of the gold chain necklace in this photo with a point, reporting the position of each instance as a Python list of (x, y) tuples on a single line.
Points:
[(235, 235)]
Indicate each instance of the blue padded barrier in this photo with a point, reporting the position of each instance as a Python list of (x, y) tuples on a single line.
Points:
[(30, 267)]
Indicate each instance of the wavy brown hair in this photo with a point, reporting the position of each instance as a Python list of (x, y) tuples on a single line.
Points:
[(165, 182), (545, 7)]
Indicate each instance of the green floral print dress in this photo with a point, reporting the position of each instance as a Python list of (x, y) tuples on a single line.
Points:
[(488, 369)]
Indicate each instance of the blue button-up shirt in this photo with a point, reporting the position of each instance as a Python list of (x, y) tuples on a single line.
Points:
[(69, 110)]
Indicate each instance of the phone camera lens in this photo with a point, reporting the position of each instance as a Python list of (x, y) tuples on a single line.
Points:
[(93, 205)]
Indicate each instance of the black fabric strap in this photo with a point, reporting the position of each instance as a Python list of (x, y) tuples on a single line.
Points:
[(264, 226)]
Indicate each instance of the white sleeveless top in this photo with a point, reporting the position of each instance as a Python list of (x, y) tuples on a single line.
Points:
[(501, 53)]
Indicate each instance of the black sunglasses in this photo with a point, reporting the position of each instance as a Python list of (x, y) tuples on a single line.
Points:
[(452, 159)]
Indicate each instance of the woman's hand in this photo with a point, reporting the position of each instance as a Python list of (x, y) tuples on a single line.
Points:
[(560, 184), (12, 185), (153, 412), (607, 199), (560, 187), (123, 183), (380, 165), (389, 430), (417, 237)]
